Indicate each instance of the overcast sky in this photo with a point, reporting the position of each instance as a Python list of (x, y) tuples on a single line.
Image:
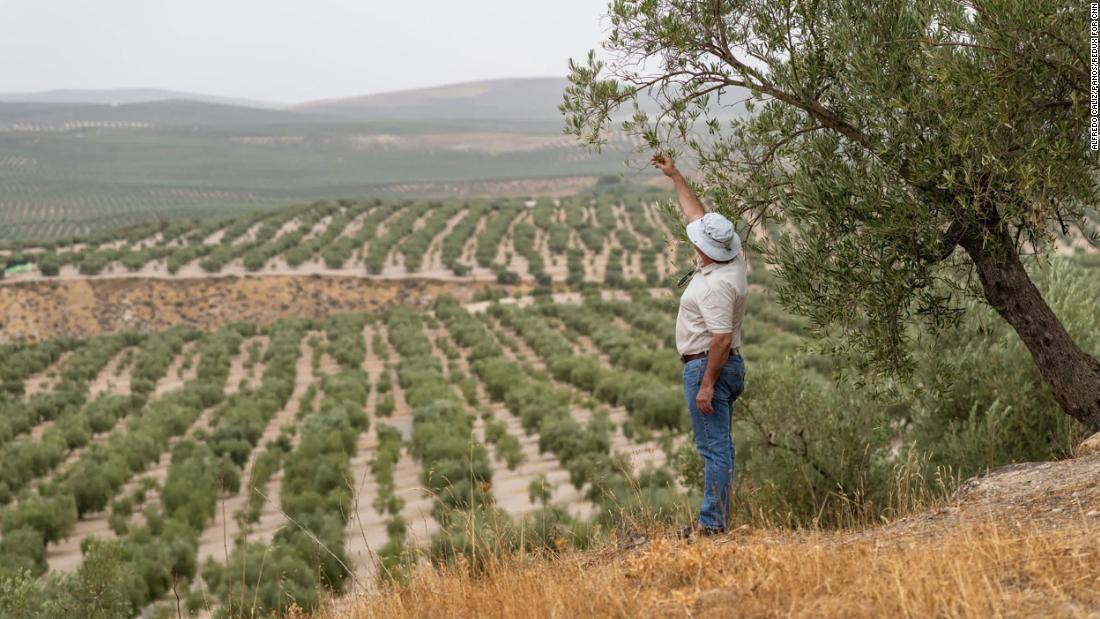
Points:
[(288, 50)]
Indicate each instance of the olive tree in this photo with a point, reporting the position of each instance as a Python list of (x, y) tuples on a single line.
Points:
[(892, 151)]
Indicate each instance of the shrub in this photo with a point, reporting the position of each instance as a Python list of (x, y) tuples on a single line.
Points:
[(51, 517)]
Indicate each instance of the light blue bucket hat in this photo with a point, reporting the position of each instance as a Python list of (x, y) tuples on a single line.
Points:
[(714, 235)]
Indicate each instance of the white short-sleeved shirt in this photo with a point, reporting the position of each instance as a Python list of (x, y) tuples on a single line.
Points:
[(714, 302)]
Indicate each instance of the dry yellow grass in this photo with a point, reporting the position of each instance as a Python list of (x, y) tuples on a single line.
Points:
[(979, 569), (1023, 541)]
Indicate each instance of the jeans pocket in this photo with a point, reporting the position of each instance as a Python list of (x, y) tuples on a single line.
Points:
[(693, 371), (734, 377)]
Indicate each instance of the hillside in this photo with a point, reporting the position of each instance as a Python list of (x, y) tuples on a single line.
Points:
[(23, 116), (122, 96), (85, 308), (1021, 541), (533, 101), (506, 100), (611, 234), (589, 237), (71, 169), (303, 437)]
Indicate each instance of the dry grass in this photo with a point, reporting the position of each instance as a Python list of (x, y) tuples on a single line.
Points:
[(1020, 541), (978, 568)]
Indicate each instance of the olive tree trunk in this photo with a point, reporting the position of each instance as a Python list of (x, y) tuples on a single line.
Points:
[(1072, 374)]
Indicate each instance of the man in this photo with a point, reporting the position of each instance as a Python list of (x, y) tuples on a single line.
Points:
[(708, 338)]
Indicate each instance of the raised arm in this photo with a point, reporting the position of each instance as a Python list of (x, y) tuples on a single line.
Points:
[(689, 202)]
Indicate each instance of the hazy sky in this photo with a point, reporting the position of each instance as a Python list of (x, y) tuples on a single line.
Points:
[(288, 50)]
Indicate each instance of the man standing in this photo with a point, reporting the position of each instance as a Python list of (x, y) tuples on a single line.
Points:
[(708, 338)]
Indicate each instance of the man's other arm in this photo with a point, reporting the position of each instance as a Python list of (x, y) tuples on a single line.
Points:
[(717, 309), (689, 202), (716, 360)]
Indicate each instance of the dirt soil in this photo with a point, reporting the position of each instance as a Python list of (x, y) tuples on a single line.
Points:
[(83, 308), (1038, 494)]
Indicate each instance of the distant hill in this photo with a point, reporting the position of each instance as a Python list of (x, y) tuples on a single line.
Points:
[(123, 96), (72, 167), (517, 104), (171, 112), (506, 99), (503, 100)]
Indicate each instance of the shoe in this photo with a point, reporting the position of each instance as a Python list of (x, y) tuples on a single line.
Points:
[(697, 529)]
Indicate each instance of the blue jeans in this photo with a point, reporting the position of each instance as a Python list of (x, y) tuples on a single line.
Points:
[(713, 438)]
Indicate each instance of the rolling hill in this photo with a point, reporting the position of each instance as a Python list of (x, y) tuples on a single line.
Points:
[(530, 100), (161, 112), (123, 96), (70, 168), (506, 99)]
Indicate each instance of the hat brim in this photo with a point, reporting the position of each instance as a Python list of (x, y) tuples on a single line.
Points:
[(713, 250)]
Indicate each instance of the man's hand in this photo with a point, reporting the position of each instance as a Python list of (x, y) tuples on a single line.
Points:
[(689, 202), (665, 165), (716, 360), (705, 400)]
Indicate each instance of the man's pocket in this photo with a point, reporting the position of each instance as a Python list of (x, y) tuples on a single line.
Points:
[(733, 379), (693, 372)]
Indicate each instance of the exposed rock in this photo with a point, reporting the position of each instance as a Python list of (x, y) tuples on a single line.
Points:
[(1090, 446), (87, 307)]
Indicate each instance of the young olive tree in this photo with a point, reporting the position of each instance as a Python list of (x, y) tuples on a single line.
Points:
[(892, 151)]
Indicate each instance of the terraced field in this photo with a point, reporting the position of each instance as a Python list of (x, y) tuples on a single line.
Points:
[(569, 240), (339, 451)]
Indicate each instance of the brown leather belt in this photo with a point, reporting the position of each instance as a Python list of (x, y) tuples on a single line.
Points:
[(703, 355)]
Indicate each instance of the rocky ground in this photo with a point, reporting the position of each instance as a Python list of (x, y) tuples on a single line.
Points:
[(88, 307)]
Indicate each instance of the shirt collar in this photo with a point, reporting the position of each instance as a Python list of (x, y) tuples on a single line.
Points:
[(714, 265), (706, 269)]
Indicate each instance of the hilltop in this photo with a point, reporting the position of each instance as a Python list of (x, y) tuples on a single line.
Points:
[(1020, 541)]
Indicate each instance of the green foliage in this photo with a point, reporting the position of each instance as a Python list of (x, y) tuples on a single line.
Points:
[(347, 233), (478, 535), (455, 243), (22, 551), (382, 466), (818, 443), (22, 359), (398, 226), (868, 165), (308, 553), (651, 402), (263, 469), (101, 589), (415, 246), (982, 404), (345, 339), (540, 490), (497, 223), (51, 517)]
